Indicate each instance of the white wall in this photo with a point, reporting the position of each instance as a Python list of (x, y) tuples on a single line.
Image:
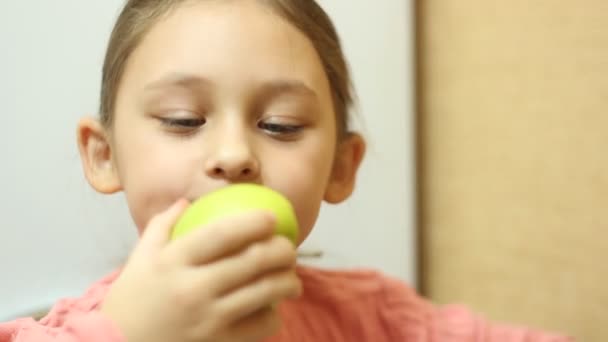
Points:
[(58, 235)]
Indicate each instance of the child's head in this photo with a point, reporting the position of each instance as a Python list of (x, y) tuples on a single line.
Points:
[(197, 94)]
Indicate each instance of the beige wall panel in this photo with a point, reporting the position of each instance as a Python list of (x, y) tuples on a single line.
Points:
[(514, 160)]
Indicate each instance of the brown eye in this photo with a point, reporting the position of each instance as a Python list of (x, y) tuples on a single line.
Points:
[(279, 129), (183, 123)]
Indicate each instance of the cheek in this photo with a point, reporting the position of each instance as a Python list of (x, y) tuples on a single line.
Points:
[(152, 175), (149, 192), (304, 182)]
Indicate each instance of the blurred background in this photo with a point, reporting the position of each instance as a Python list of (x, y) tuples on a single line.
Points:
[(513, 160)]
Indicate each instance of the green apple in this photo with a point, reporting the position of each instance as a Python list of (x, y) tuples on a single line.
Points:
[(234, 199)]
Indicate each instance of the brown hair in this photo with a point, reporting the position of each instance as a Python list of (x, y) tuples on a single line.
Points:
[(138, 16)]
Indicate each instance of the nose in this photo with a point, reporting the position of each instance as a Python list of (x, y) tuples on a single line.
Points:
[(233, 159)]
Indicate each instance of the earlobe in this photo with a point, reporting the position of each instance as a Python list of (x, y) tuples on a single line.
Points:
[(96, 156), (341, 184)]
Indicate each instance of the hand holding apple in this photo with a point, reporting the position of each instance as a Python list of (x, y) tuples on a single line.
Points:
[(221, 282)]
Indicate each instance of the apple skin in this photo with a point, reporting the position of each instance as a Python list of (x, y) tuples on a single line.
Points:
[(238, 198)]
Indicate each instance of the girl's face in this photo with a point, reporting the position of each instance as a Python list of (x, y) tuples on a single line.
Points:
[(220, 93)]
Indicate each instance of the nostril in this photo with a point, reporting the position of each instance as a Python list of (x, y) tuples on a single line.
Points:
[(222, 172)]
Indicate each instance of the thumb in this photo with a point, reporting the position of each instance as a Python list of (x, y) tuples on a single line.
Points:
[(157, 232)]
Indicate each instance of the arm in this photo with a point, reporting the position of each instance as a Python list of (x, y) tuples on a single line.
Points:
[(70, 320)]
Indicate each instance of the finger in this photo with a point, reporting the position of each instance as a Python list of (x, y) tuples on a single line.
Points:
[(262, 293), (157, 232), (223, 237), (271, 255), (255, 327)]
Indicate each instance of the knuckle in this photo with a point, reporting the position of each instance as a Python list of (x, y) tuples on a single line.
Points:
[(267, 218), (269, 286), (287, 286), (285, 249), (260, 221), (282, 242), (258, 255), (290, 281)]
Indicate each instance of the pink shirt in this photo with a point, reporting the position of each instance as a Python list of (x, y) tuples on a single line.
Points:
[(335, 306)]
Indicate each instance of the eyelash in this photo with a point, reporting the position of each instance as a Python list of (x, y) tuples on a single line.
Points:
[(279, 129), (183, 123), (190, 125)]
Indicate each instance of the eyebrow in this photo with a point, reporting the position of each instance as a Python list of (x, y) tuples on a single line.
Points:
[(280, 87), (179, 80), (267, 89)]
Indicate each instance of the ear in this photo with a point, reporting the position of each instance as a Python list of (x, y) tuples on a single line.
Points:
[(349, 155), (96, 156)]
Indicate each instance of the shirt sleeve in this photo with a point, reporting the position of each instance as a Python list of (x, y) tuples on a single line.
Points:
[(407, 316), (70, 320), (90, 327)]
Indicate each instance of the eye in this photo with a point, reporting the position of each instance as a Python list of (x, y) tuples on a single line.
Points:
[(279, 129), (182, 123), (185, 123)]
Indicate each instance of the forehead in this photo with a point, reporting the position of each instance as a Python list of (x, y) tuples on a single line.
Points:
[(235, 44)]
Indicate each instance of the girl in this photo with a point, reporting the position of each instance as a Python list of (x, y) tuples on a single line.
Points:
[(200, 94)]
